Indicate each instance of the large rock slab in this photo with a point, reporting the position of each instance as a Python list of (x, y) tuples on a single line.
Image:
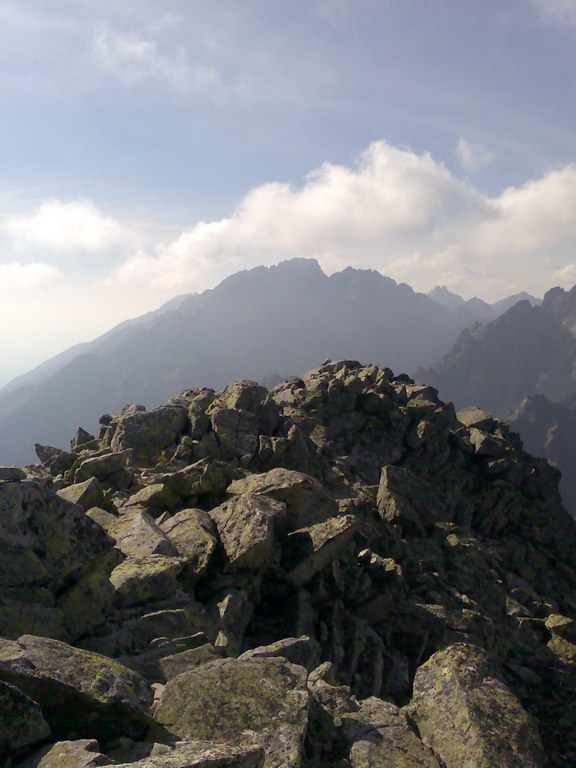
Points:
[(79, 692), (306, 500), (85, 495), (468, 716), (81, 753), (405, 499), (145, 579), (314, 547), (381, 736), (262, 701), (203, 754), (195, 537), (21, 720), (44, 540), (247, 525), (137, 534), (147, 433)]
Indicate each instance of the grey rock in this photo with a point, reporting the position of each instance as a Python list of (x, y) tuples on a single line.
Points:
[(247, 524), (79, 692), (468, 716), (263, 701), (21, 720)]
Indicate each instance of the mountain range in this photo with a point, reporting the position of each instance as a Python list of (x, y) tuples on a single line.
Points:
[(522, 367), (260, 324)]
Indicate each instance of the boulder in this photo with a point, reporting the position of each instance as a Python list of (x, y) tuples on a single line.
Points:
[(247, 524), (306, 500), (137, 534), (85, 495), (147, 433), (405, 499), (156, 496), (262, 701), (81, 753), (79, 692), (44, 540), (21, 720), (203, 754), (297, 650), (468, 716), (100, 467), (236, 433), (379, 735), (314, 547), (145, 579), (11, 473), (195, 537)]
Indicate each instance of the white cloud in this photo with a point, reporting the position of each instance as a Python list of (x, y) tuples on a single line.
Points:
[(473, 157), (401, 213), (134, 58), (77, 225), (557, 11), (17, 278), (566, 276)]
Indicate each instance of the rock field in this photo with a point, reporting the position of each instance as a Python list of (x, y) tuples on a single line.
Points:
[(338, 572)]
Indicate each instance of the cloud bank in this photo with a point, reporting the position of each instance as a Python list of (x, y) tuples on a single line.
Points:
[(401, 213)]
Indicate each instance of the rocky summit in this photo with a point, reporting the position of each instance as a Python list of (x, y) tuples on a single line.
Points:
[(337, 572)]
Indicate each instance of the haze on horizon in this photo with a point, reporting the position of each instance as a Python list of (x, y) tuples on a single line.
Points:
[(145, 157)]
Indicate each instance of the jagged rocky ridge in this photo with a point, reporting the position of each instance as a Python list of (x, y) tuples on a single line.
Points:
[(338, 572)]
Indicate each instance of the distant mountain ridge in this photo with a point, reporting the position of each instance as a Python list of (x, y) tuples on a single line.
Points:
[(255, 324), (260, 323), (527, 350), (522, 367), (478, 310)]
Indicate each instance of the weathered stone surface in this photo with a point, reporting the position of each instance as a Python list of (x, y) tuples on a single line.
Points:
[(21, 720), (380, 736), (236, 432), (136, 534), (100, 467), (79, 692), (174, 664), (405, 499), (157, 496), (11, 473), (562, 626), (476, 417), (141, 580), (85, 495), (147, 433), (247, 524), (306, 500), (468, 716), (314, 547), (263, 701), (81, 753), (460, 546), (204, 478), (44, 540), (195, 537), (203, 754), (297, 650)]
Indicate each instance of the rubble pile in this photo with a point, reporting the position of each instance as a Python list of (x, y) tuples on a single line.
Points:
[(337, 572)]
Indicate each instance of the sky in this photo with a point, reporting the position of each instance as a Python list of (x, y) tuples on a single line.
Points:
[(151, 149)]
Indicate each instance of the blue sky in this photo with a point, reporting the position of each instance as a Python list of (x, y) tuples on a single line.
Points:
[(149, 149)]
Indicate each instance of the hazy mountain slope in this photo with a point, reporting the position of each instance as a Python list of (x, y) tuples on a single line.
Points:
[(277, 320), (478, 310), (549, 430), (527, 350)]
